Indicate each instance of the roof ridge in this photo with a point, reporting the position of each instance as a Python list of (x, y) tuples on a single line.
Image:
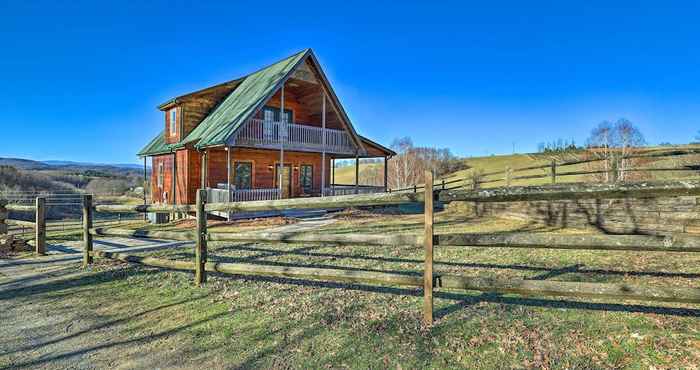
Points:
[(223, 120), (241, 78)]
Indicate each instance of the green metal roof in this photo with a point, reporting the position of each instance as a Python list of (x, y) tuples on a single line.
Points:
[(157, 146), (241, 103)]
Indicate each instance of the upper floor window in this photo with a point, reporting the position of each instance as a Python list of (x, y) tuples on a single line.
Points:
[(273, 114), (173, 121)]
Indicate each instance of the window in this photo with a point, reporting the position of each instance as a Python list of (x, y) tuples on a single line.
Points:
[(306, 178), (161, 174), (273, 114), (173, 121), (243, 175)]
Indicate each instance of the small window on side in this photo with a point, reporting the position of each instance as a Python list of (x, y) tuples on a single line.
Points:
[(161, 174), (173, 121)]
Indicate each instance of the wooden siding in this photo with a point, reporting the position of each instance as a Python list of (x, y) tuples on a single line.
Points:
[(194, 107), (169, 138), (158, 192), (305, 113)]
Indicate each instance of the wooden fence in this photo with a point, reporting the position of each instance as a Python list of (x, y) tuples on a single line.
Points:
[(430, 279), (475, 178), (39, 224)]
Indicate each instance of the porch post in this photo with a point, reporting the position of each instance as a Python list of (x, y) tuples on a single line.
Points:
[(357, 173), (386, 173), (204, 170), (282, 128), (174, 183), (228, 178), (145, 182), (333, 176), (323, 153)]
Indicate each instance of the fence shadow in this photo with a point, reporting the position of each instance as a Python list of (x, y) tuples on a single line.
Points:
[(308, 251), (465, 300)]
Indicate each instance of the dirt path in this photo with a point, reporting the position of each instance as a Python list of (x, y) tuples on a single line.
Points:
[(33, 334)]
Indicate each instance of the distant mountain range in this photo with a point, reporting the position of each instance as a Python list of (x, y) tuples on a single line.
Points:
[(86, 164), (28, 164)]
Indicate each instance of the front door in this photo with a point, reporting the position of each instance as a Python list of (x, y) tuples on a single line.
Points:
[(286, 180)]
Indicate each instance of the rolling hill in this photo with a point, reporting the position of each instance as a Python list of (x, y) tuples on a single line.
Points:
[(496, 163)]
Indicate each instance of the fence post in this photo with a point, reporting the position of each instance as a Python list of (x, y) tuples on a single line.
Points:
[(3, 216), (200, 253), (475, 180), (428, 243), (40, 227), (508, 176), (87, 225), (553, 172)]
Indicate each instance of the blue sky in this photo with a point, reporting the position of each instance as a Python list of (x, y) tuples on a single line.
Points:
[(81, 80)]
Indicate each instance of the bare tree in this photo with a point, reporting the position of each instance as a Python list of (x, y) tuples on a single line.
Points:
[(407, 167), (600, 145), (613, 143), (402, 166), (627, 137)]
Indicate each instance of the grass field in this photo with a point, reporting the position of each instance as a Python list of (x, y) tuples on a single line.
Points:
[(493, 163), (139, 317), (346, 175)]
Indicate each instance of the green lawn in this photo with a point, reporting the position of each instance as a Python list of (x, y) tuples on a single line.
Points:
[(253, 322)]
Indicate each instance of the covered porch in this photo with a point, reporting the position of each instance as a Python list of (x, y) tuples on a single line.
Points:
[(238, 174)]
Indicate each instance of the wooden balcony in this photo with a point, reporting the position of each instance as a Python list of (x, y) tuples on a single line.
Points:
[(258, 133)]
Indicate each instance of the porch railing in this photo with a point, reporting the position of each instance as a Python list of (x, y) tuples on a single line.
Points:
[(267, 134), (223, 195)]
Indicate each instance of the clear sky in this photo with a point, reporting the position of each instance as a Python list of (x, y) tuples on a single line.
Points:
[(80, 80)]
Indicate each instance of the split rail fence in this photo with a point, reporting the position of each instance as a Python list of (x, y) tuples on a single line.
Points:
[(39, 224), (430, 280), (556, 171)]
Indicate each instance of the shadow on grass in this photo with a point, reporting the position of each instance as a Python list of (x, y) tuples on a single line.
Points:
[(134, 341), (103, 325), (307, 252), (465, 299), (87, 279)]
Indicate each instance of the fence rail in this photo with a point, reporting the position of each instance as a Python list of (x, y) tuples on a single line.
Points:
[(433, 279)]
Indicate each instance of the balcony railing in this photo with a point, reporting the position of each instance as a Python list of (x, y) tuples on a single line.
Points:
[(268, 134)]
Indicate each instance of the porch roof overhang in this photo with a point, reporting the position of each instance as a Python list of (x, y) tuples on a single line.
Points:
[(158, 146), (373, 144)]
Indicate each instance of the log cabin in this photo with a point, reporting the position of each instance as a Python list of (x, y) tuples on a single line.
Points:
[(275, 133)]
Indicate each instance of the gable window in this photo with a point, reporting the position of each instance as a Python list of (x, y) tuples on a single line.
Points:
[(243, 175), (173, 121), (306, 178), (161, 174)]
